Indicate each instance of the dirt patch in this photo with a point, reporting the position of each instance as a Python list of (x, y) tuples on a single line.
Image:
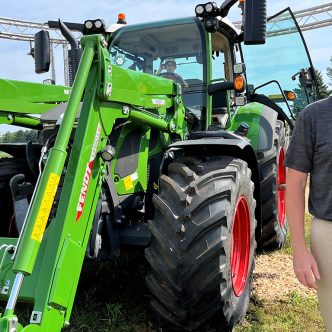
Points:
[(274, 278)]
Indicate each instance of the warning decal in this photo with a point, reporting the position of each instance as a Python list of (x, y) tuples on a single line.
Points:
[(128, 182), (45, 207)]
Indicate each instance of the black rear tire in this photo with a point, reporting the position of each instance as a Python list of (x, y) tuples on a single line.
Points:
[(197, 214), (272, 173), (8, 168)]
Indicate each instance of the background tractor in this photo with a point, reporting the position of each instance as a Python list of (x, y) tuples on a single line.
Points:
[(191, 169)]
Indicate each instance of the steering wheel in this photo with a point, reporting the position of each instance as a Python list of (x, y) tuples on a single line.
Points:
[(172, 76), (191, 117)]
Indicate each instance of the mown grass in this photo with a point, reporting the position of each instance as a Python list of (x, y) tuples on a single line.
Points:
[(296, 313)]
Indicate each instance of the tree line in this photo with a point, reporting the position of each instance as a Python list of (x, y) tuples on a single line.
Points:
[(323, 88), (21, 136)]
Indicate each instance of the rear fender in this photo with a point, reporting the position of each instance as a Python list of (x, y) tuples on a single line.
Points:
[(261, 120)]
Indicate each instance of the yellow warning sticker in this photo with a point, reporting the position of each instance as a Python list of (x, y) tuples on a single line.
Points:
[(45, 207), (128, 182)]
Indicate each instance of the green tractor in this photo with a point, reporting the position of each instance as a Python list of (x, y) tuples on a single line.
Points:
[(187, 164)]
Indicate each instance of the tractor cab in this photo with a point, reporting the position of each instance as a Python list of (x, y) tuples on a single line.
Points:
[(198, 59), (202, 59)]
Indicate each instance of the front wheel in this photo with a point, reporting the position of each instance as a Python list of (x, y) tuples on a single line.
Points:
[(203, 244)]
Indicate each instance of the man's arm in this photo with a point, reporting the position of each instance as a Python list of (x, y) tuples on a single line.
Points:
[(305, 266)]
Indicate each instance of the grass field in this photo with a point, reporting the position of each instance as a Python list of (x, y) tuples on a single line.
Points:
[(112, 297)]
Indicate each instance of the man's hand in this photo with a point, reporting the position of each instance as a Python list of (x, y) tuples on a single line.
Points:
[(305, 268), (161, 68)]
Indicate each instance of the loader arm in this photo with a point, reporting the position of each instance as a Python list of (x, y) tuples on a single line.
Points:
[(43, 265)]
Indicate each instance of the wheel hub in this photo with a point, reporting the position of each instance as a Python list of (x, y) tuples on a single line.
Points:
[(281, 187), (240, 246)]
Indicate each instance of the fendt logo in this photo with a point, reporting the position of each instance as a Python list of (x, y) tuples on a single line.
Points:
[(87, 176), (84, 189)]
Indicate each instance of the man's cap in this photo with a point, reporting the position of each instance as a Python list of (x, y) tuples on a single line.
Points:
[(167, 60)]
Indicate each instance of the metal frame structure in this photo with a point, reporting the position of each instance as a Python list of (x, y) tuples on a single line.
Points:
[(307, 19), (20, 30), (314, 17)]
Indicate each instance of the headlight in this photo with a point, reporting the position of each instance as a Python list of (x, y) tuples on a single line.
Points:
[(199, 10), (88, 25), (94, 27), (209, 7), (98, 24)]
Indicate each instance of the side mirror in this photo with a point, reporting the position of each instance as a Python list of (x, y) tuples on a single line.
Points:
[(254, 22), (42, 52), (305, 77)]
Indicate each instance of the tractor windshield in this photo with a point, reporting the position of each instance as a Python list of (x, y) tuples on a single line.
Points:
[(164, 48), (283, 58)]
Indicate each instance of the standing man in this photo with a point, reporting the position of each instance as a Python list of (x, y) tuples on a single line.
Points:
[(310, 152)]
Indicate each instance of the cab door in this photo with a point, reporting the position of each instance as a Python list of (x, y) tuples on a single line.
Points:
[(283, 59)]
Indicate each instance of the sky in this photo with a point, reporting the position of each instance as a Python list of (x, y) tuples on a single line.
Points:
[(16, 64)]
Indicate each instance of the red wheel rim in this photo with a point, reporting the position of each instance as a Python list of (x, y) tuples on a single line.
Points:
[(240, 246), (281, 187)]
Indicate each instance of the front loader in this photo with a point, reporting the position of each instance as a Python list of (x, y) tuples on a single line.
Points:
[(193, 173)]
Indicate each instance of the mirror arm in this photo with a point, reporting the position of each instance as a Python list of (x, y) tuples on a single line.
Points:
[(226, 6), (282, 93), (221, 86), (68, 35)]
